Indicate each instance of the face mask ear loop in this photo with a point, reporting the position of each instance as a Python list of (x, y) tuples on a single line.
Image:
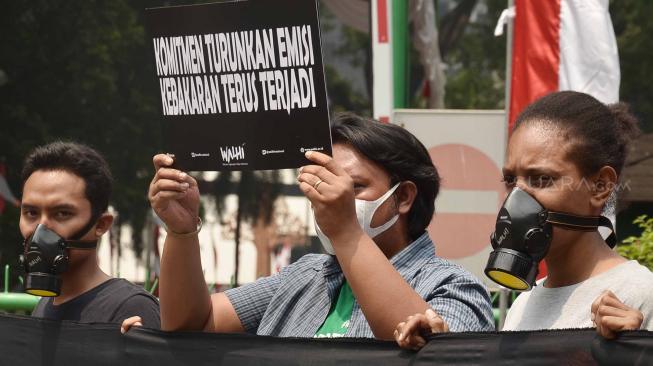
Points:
[(396, 201), (377, 203), (369, 214)]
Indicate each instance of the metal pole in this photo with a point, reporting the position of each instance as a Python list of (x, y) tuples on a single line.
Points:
[(509, 36), (400, 52), (154, 285), (148, 250), (382, 70), (6, 278), (15, 302), (503, 292), (503, 306)]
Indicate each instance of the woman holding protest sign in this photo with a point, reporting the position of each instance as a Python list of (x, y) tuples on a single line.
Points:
[(563, 164), (372, 203)]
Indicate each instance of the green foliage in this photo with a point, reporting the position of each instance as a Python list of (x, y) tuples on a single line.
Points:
[(634, 31), (352, 48), (342, 97), (11, 245), (640, 248), (476, 62), (79, 70)]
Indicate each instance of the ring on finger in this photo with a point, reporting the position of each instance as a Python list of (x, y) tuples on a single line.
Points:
[(317, 184)]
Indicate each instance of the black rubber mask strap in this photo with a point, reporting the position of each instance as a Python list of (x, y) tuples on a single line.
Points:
[(574, 222), (611, 240), (75, 243), (79, 244), (582, 223)]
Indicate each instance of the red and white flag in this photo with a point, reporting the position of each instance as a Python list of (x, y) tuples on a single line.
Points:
[(562, 45)]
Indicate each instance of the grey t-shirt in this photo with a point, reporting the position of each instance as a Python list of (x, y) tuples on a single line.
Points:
[(570, 306), (110, 302)]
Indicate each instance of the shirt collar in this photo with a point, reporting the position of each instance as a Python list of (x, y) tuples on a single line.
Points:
[(330, 266), (414, 256)]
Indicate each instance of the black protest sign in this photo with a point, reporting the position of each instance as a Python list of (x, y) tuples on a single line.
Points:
[(242, 83)]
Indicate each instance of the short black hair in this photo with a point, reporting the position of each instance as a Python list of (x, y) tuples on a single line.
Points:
[(77, 159), (599, 134), (400, 154)]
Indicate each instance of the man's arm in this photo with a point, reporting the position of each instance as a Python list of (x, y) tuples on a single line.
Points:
[(226, 323), (463, 302), (384, 296), (459, 304), (184, 297)]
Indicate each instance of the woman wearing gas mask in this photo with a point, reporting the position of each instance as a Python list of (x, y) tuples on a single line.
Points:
[(372, 203), (563, 164)]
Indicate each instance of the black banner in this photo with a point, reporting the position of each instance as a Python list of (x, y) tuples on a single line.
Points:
[(29, 341), (242, 83)]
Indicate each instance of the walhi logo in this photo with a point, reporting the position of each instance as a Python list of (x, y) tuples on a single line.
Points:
[(232, 155)]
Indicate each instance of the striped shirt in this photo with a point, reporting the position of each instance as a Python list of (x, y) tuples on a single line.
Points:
[(296, 301)]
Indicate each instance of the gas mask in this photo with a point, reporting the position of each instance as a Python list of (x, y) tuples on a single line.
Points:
[(46, 258), (364, 212), (523, 234)]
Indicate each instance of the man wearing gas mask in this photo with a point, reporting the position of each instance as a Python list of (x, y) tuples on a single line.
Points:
[(372, 203), (66, 189), (563, 164)]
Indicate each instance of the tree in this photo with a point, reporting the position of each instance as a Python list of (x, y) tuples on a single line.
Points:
[(475, 58), (256, 194), (348, 46), (78, 70), (634, 32)]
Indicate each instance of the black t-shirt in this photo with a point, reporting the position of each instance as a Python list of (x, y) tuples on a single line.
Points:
[(110, 302)]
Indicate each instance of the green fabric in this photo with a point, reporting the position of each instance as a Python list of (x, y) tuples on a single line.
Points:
[(337, 322)]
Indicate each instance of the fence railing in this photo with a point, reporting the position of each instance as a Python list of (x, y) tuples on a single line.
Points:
[(13, 301)]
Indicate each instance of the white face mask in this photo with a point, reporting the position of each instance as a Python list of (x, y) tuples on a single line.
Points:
[(364, 213)]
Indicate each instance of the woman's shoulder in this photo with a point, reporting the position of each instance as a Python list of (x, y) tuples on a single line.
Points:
[(637, 274), (630, 281), (631, 272)]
